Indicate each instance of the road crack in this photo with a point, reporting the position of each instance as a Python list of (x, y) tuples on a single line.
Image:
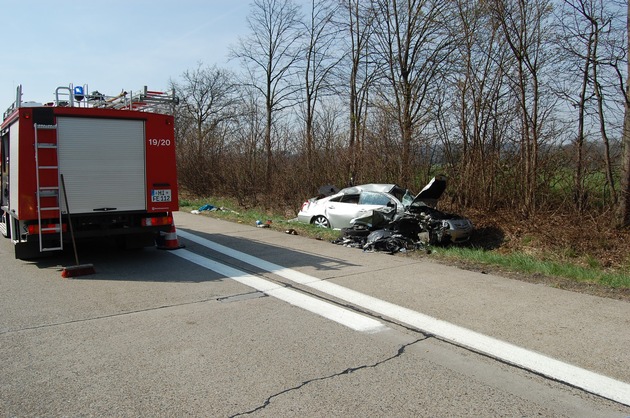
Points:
[(347, 371), (137, 311)]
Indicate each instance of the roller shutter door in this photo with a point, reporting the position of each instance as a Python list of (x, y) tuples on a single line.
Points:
[(103, 164)]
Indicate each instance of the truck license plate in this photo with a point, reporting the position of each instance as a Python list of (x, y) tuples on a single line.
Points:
[(160, 195)]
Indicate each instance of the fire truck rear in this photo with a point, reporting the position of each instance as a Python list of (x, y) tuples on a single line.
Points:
[(115, 155)]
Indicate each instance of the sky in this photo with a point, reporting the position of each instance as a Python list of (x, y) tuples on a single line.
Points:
[(111, 45)]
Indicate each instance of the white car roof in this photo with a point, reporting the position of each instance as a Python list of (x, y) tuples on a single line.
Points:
[(371, 187)]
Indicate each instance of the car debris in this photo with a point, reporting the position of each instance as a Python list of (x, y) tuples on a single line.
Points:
[(384, 231)]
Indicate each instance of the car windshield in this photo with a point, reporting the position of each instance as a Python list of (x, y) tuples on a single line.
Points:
[(398, 192), (407, 199)]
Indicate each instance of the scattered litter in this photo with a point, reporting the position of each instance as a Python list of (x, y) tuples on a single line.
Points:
[(260, 224), (211, 208), (291, 231)]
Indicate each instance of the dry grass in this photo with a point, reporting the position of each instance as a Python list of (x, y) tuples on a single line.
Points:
[(587, 241)]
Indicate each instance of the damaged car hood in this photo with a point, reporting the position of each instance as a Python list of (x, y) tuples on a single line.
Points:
[(431, 193), (428, 196)]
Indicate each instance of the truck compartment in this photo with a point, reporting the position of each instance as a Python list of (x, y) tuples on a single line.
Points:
[(103, 164)]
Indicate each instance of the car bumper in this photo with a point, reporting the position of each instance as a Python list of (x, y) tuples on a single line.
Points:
[(459, 236), (460, 233)]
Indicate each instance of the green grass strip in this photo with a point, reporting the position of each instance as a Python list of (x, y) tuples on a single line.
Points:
[(524, 263)]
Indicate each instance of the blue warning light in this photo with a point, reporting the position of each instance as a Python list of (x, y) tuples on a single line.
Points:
[(79, 93)]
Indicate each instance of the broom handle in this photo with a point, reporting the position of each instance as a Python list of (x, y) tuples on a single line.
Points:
[(65, 198)]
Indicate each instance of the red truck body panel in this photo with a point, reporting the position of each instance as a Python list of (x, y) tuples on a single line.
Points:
[(161, 170), (42, 142)]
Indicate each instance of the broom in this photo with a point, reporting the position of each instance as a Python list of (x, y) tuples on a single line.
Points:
[(78, 269)]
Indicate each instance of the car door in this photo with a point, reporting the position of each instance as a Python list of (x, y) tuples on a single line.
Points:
[(356, 206), (340, 210), (369, 201)]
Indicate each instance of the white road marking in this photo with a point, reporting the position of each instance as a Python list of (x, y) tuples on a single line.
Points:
[(592, 382), (328, 310)]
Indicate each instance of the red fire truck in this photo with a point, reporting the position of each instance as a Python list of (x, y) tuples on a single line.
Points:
[(111, 158)]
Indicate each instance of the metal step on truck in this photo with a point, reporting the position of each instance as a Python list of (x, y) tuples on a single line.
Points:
[(115, 155)]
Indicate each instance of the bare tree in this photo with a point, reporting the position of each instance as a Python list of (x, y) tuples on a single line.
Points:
[(207, 102), (270, 54), (415, 43), (322, 56), (624, 206), (523, 24), (583, 24), (244, 161), (585, 51), (360, 78), (601, 24), (480, 104)]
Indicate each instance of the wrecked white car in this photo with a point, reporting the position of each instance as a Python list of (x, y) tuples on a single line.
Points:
[(402, 221), (337, 210)]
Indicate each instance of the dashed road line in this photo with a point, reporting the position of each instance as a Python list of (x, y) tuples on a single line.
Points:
[(328, 310)]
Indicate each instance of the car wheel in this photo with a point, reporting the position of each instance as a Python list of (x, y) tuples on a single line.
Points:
[(321, 221)]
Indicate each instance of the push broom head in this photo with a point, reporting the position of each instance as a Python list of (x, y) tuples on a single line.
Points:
[(78, 270)]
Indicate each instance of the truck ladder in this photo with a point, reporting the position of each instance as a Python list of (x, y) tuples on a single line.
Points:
[(50, 192)]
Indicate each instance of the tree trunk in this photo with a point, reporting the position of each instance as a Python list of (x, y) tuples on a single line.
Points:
[(624, 203), (578, 180), (268, 149)]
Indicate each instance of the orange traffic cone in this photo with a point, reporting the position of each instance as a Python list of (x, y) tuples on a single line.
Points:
[(168, 240)]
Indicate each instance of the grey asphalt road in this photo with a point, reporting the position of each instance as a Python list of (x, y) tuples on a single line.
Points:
[(154, 334)]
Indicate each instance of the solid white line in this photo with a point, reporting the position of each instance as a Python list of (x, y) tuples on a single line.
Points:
[(328, 310), (592, 382)]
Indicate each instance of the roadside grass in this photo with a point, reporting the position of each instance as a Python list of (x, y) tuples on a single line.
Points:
[(524, 263), (589, 272), (226, 212)]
